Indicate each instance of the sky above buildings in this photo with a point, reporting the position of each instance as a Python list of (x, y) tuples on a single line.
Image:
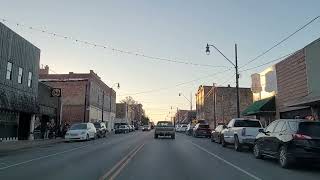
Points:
[(174, 29)]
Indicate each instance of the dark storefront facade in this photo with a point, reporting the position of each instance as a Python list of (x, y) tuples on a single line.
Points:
[(19, 64), (49, 110)]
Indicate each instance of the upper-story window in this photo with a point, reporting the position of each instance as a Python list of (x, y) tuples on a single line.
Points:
[(29, 79), (9, 71), (20, 75)]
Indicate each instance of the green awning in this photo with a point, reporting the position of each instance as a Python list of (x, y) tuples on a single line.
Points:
[(267, 105)]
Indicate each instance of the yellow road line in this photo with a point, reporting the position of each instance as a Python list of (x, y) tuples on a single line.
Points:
[(116, 169)]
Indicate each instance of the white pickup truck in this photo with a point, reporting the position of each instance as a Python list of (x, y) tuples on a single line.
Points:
[(241, 132)]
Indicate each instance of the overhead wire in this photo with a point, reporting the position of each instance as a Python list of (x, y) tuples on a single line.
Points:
[(109, 47), (280, 42)]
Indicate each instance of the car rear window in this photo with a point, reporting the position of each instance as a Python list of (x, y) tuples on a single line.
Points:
[(164, 124), (247, 123), (204, 126), (310, 128), (97, 125)]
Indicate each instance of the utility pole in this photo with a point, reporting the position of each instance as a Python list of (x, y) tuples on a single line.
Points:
[(236, 68), (102, 106), (237, 81)]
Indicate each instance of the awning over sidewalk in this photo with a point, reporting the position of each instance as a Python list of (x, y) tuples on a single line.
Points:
[(267, 105), (306, 101)]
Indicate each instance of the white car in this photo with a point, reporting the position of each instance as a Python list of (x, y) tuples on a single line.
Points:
[(241, 132), (183, 128), (81, 131)]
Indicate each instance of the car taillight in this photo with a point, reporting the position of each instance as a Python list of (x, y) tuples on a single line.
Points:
[(300, 137), (243, 132)]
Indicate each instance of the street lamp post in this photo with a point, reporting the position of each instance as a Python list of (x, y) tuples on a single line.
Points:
[(110, 94), (236, 68), (190, 101)]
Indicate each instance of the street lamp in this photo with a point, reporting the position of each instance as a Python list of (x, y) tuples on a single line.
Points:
[(190, 101), (236, 68), (110, 93)]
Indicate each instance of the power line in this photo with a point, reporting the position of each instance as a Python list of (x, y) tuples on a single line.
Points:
[(97, 45), (274, 60), (180, 84), (283, 40)]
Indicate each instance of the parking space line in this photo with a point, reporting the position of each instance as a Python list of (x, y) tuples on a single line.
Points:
[(227, 162)]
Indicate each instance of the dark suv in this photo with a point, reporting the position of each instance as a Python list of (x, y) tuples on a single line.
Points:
[(101, 129), (201, 130), (289, 140)]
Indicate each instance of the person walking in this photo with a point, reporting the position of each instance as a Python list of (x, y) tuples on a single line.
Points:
[(47, 130)]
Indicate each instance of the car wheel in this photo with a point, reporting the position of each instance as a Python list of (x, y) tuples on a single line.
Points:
[(156, 136), (256, 152), (237, 145), (88, 137), (219, 140), (284, 160), (223, 143), (173, 136), (212, 139)]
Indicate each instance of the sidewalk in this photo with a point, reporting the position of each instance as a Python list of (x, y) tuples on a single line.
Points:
[(11, 146)]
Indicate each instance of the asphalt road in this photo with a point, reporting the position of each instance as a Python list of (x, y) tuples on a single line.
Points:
[(138, 156)]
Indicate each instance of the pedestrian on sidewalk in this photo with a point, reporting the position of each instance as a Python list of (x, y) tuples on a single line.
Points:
[(47, 131)]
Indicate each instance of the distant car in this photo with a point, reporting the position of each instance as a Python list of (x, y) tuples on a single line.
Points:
[(101, 129), (81, 131), (133, 127), (164, 128), (289, 140), (189, 130), (182, 128), (146, 128), (130, 128), (241, 132), (177, 127), (216, 135), (201, 130), (122, 129)]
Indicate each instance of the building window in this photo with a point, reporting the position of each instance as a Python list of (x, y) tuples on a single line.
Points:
[(20, 75), (9, 71), (29, 79)]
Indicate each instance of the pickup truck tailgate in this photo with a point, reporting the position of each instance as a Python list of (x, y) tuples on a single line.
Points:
[(250, 131)]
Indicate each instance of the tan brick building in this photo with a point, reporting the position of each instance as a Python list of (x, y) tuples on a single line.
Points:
[(86, 98), (219, 104)]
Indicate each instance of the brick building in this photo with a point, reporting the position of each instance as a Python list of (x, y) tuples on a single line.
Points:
[(219, 104), (184, 116), (85, 97), (19, 65)]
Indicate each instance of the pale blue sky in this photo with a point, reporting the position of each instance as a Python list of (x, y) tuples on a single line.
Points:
[(168, 28)]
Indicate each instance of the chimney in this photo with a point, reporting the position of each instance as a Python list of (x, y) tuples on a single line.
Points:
[(229, 85), (45, 70)]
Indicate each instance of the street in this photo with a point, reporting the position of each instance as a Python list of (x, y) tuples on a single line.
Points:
[(139, 156)]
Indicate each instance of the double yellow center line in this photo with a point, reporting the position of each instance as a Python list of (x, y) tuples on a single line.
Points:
[(117, 168)]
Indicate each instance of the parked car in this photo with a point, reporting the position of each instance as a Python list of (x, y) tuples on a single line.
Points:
[(183, 128), (241, 132), (177, 127), (122, 129), (146, 128), (164, 128), (130, 128), (289, 140), (101, 129), (216, 135), (201, 130), (133, 128), (189, 130), (81, 131)]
